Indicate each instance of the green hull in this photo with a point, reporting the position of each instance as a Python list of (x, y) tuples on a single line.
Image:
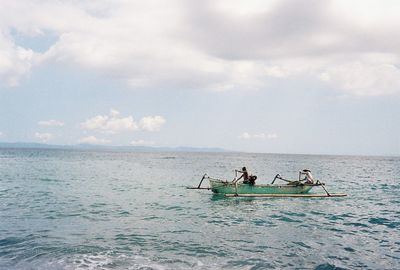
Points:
[(224, 187)]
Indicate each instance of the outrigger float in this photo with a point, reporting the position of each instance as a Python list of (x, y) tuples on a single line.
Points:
[(293, 188)]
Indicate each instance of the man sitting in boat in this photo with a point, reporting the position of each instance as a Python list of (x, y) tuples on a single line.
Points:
[(309, 179), (246, 178), (245, 175)]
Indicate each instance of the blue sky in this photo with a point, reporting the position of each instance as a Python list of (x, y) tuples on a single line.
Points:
[(259, 76)]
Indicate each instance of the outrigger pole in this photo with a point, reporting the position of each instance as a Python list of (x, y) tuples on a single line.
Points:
[(322, 185), (199, 186), (310, 195), (201, 181)]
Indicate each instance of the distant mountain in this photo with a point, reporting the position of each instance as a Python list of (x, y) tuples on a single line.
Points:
[(128, 148), (29, 145)]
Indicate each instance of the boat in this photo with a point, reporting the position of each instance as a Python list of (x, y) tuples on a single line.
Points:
[(230, 187), (292, 188)]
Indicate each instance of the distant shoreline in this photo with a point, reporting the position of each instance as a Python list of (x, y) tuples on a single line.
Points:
[(154, 149), (111, 148)]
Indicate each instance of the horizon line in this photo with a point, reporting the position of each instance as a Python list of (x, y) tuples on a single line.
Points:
[(83, 146)]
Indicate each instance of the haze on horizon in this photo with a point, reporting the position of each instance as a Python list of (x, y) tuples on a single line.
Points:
[(312, 77)]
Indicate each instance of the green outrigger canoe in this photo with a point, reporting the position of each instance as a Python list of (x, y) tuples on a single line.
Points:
[(226, 187), (240, 189)]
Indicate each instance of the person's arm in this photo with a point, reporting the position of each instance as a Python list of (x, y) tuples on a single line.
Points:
[(310, 177), (235, 180)]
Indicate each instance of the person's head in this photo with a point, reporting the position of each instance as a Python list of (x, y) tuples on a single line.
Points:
[(306, 170), (244, 169)]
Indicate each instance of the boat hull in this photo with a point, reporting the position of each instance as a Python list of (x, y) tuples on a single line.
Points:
[(224, 187)]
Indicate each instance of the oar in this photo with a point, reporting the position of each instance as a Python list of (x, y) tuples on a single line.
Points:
[(322, 185)]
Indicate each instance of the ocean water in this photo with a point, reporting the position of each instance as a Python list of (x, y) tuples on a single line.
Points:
[(105, 210)]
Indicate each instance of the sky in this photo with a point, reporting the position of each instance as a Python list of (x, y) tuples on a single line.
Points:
[(271, 76)]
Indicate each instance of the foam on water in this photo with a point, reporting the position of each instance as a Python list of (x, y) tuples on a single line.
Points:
[(103, 210)]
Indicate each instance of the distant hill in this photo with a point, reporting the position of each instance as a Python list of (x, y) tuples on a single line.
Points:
[(128, 148)]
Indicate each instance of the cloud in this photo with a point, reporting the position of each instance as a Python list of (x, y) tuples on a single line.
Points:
[(152, 123), (363, 79), (142, 143), (258, 136), (111, 123), (114, 123), (218, 45), (305, 38), (44, 137), (1, 134), (51, 123), (15, 61), (93, 140)]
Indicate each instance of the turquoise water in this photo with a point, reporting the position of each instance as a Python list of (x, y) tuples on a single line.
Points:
[(104, 210)]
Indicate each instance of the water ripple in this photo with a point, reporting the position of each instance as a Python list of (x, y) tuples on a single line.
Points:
[(105, 210)]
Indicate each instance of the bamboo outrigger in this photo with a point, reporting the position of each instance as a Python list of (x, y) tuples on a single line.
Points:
[(331, 195)]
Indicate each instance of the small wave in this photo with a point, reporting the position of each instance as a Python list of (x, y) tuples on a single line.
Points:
[(349, 249), (327, 266), (250, 264), (356, 224), (384, 221), (285, 219), (49, 180), (302, 244), (104, 261)]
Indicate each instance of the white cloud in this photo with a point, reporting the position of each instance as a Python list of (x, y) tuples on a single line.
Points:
[(114, 123), (142, 143), (245, 136), (93, 140), (218, 45), (364, 79), (114, 113), (44, 137), (272, 136), (111, 123), (258, 136), (152, 123), (1, 134), (245, 8), (51, 123), (15, 61)]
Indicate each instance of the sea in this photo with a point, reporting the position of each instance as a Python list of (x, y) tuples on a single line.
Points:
[(70, 209)]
